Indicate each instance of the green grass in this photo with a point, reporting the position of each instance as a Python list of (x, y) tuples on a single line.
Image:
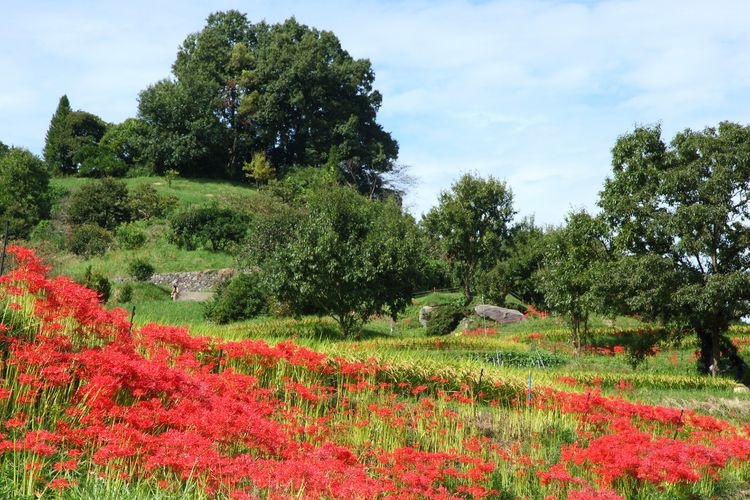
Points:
[(163, 255), (187, 191)]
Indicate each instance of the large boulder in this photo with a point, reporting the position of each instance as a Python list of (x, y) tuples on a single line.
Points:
[(498, 314), (424, 315)]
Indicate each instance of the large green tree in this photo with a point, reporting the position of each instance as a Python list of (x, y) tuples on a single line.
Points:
[(681, 220), (350, 258), (24, 193), (73, 140), (286, 90), (470, 224)]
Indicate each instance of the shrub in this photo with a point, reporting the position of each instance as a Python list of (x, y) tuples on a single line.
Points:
[(218, 227), (89, 239), (141, 270), (45, 232), (125, 294), (146, 203), (241, 298), (97, 282), (444, 319), (103, 202), (130, 236)]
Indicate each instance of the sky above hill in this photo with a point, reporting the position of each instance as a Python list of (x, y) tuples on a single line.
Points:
[(534, 92)]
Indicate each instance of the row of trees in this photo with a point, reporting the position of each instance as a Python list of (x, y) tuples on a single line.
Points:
[(671, 244), (243, 97)]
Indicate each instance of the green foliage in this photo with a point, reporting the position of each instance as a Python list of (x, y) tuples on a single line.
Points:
[(141, 269), (240, 298), (125, 294), (45, 232), (126, 142), (24, 195), (444, 319), (286, 89), (259, 169), (103, 202), (97, 282), (516, 273), (572, 262), (682, 226), (146, 203), (89, 239), (72, 144), (96, 161), (350, 258), (56, 149), (221, 228), (470, 224), (130, 236), (171, 174)]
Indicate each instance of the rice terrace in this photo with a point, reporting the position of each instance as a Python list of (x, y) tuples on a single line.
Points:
[(270, 280)]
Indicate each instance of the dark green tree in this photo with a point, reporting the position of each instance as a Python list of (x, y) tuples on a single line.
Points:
[(573, 257), (471, 224), (286, 90), (516, 272), (681, 221), (72, 140), (56, 152), (24, 191), (126, 143), (351, 258)]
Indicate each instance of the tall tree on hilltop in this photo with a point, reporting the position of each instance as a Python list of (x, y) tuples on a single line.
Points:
[(681, 221), (470, 224), (285, 90), (56, 154)]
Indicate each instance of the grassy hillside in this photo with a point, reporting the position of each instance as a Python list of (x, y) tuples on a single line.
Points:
[(158, 250)]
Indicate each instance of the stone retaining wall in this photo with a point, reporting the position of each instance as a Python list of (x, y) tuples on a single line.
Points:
[(193, 281)]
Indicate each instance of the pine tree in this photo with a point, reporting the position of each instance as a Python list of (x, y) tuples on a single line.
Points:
[(56, 152)]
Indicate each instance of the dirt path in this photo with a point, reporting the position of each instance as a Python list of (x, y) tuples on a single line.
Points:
[(197, 296)]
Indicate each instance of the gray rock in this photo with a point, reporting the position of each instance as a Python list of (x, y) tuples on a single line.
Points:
[(424, 315), (498, 314)]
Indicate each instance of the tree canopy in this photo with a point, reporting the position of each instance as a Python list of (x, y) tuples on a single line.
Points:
[(286, 90), (350, 258), (681, 220), (470, 224), (24, 193), (573, 255)]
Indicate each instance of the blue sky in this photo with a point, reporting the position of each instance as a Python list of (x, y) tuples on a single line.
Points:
[(534, 92)]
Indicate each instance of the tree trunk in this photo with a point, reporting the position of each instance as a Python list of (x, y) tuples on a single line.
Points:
[(715, 353)]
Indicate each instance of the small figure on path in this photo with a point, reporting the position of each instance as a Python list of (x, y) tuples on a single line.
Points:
[(175, 291)]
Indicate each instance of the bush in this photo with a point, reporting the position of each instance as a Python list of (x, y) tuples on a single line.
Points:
[(241, 298), (146, 203), (218, 227), (89, 239), (103, 202), (125, 294), (444, 319), (44, 232), (141, 270), (97, 282), (130, 236)]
